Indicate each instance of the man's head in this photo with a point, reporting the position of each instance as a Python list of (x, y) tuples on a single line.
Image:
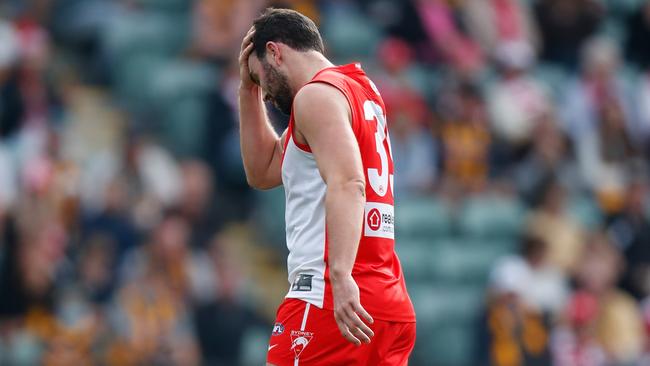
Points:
[(277, 33)]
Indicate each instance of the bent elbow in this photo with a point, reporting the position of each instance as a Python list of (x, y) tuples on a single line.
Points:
[(359, 184), (259, 184), (253, 182), (356, 186)]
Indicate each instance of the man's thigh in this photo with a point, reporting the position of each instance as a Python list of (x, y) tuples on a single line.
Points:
[(393, 343), (303, 334)]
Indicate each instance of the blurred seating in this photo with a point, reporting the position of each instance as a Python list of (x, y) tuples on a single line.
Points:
[(138, 45), (586, 211), (445, 323), (552, 76), (467, 260), (422, 217), (179, 97), (269, 217), (350, 35), (494, 217), (251, 351), (168, 6)]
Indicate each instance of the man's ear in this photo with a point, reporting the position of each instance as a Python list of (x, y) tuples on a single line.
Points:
[(274, 52)]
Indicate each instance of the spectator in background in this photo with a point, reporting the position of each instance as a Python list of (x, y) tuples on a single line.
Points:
[(606, 158), (196, 202), (12, 289), (400, 19), (599, 120), (223, 150), (637, 48), (9, 187), (619, 326), (74, 336), (495, 22), (514, 330), (645, 311), (516, 101), (166, 256), (12, 105), (548, 157), (642, 103), (412, 147), (550, 222), (463, 133), (630, 233), (41, 254), (310, 8), (113, 224), (151, 311), (574, 340), (547, 288), (97, 268), (223, 319), (453, 45), (219, 24), (157, 176), (33, 262), (34, 60), (564, 26)]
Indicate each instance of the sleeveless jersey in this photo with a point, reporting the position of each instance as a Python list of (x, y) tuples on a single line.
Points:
[(376, 270)]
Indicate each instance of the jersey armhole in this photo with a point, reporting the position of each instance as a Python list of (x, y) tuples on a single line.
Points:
[(301, 146), (285, 144)]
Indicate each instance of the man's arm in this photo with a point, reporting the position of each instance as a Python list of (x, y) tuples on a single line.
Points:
[(323, 118), (261, 148)]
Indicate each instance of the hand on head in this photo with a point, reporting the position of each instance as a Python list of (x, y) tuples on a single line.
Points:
[(244, 72)]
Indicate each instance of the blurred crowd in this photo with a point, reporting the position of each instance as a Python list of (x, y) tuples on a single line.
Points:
[(128, 235)]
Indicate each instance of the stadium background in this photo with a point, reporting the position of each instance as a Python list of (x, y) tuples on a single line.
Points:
[(520, 132)]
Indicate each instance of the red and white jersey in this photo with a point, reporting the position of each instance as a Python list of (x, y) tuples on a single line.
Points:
[(377, 270)]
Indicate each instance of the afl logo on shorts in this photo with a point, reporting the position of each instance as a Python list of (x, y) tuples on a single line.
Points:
[(278, 329)]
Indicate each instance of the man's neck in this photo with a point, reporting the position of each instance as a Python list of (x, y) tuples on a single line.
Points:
[(306, 66)]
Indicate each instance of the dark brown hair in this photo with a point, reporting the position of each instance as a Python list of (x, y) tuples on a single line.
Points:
[(286, 26)]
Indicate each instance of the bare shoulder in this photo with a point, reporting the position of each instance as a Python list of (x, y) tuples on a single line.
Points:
[(319, 99), (321, 114)]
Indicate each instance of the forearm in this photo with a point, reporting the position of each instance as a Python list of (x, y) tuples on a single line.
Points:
[(344, 205), (257, 138)]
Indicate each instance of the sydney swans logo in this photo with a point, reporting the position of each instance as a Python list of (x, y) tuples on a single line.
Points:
[(300, 340)]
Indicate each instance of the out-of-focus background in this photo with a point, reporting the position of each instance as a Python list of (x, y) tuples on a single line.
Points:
[(520, 132)]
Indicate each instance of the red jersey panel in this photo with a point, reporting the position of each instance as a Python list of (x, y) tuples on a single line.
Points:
[(377, 269)]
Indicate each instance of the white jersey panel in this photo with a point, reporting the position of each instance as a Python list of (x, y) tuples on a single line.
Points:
[(305, 224)]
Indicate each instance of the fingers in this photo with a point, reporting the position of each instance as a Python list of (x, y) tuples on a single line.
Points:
[(345, 331), (247, 39), (246, 46), (360, 310), (359, 328), (243, 57), (352, 327)]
